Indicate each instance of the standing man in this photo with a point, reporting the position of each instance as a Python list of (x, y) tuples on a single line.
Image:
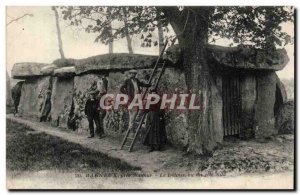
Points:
[(92, 111), (131, 87)]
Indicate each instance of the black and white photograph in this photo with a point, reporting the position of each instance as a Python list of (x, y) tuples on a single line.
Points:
[(150, 97)]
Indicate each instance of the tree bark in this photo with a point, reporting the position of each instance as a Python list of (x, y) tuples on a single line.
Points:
[(111, 42), (128, 38), (160, 36), (191, 29), (60, 45)]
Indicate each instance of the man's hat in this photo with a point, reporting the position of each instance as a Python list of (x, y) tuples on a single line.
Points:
[(133, 71)]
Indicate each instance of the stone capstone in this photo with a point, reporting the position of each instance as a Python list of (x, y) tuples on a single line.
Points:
[(27, 70), (247, 58), (113, 62), (220, 57), (64, 72), (48, 70), (64, 62)]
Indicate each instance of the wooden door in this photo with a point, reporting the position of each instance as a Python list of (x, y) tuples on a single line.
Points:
[(231, 105)]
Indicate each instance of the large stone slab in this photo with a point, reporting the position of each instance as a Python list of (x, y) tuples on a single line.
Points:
[(220, 57), (33, 96), (264, 111), (64, 72), (112, 62), (172, 82), (64, 62), (27, 70), (48, 70), (61, 99), (247, 58)]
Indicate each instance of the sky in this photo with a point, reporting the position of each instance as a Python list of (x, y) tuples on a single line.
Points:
[(34, 39)]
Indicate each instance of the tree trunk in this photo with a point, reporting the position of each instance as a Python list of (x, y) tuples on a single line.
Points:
[(111, 42), (203, 128), (160, 36), (129, 40), (60, 45), (111, 47)]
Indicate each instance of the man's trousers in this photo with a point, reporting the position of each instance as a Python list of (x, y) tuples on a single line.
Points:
[(98, 122)]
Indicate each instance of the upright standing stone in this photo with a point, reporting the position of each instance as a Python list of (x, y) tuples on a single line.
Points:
[(264, 112), (32, 96), (62, 95)]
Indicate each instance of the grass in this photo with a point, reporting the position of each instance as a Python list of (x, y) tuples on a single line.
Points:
[(238, 157), (28, 150)]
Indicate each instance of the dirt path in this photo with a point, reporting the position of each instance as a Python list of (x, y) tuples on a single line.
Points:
[(148, 162), (162, 169)]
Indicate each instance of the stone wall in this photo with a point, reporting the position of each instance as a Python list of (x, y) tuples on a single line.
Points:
[(70, 85), (33, 96), (116, 121)]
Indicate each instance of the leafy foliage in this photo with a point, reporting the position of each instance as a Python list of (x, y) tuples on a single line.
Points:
[(100, 20), (258, 26)]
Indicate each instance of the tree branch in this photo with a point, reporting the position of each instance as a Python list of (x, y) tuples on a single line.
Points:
[(18, 18)]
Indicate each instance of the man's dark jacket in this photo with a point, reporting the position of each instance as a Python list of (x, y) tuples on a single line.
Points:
[(128, 88), (92, 107)]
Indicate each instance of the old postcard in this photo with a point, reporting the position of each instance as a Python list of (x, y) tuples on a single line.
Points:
[(150, 97)]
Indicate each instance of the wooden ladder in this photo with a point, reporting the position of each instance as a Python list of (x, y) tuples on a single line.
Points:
[(130, 136)]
